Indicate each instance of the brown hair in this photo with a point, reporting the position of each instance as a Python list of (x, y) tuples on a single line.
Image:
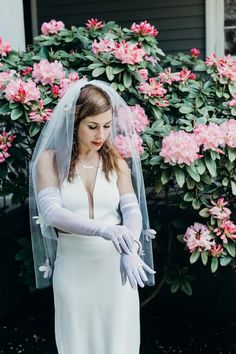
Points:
[(92, 101)]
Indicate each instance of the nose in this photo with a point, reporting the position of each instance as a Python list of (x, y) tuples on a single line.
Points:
[(100, 134)]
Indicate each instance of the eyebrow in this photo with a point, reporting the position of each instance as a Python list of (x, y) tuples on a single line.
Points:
[(97, 123)]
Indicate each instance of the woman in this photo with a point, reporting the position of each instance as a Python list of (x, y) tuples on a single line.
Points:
[(83, 189)]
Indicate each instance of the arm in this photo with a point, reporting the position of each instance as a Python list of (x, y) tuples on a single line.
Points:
[(52, 212)]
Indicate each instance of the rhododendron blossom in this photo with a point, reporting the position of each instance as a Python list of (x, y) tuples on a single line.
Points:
[(144, 74), (46, 72), (179, 147), (226, 230), (4, 78), (198, 238), (94, 24), (139, 118), (229, 129), (5, 142), (129, 53), (5, 47), (152, 88), (168, 77), (40, 114), (225, 66), (186, 75), (27, 71), (144, 29), (151, 59), (216, 250), (103, 46), (126, 144), (52, 27), (219, 211), (195, 52), (211, 136), (22, 91)]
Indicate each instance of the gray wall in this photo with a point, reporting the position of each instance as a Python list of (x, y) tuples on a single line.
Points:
[(181, 23)]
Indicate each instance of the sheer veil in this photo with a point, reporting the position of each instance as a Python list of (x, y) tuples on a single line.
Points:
[(57, 135)]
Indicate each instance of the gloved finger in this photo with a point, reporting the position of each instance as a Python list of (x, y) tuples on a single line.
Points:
[(138, 278), (117, 246), (123, 278), (123, 245), (148, 269), (132, 280), (142, 274), (129, 242)]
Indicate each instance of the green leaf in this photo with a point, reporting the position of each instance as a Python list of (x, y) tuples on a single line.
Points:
[(194, 174), (229, 246), (5, 109), (34, 129), (233, 187), (3, 170), (165, 176), (16, 113), (158, 185), (118, 69), (188, 197), (196, 203), (204, 257), (109, 73), (225, 182), (211, 166), (175, 286), (231, 154), (185, 109), (214, 264), (155, 160), (204, 213), (97, 72), (127, 80), (186, 287), (180, 176), (194, 257), (201, 167), (225, 260)]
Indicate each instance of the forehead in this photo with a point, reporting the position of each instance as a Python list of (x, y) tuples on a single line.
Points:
[(100, 118)]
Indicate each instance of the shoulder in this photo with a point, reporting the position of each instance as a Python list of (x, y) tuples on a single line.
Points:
[(46, 158), (46, 168), (123, 167)]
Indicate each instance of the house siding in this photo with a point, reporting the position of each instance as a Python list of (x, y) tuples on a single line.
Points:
[(181, 23)]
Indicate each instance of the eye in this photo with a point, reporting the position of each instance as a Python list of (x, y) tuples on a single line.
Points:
[(90, 127), (107, 126)]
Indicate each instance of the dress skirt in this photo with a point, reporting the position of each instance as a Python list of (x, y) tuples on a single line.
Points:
[(94, 313)]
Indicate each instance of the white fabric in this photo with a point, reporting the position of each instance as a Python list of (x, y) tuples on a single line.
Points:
[(131, 215), (94, 312), (54, 214)]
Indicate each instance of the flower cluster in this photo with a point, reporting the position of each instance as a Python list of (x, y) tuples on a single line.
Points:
[(218, 211), (183, 76), (5, 77), (179, 147), (5, 47), (18, 90), (152, 88), (94, 24), (195, 52), (224, 66), (129, 53), (198, 237), (140, 118), (210, 136), (47, 73), (144, 29), (103, 46), (126, 145), (229, 132), (5, 143), (40, 114), (52, 27)]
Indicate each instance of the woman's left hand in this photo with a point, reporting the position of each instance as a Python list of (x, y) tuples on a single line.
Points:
[(134, 268)]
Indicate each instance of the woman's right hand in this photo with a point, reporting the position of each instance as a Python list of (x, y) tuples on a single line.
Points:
[(120, 236)]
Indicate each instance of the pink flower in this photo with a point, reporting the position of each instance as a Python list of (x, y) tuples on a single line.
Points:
[(211, 136), (52, 27), (195, 52), (152, 88), (179, 147), (27, 71), (216, 251), (198, 238), (226, 230), (129, 53), (94, 24), (103, 46), (40, 114), (5, 142), (126, 144), (186, 75), (218, 211), (144, 74), (168, 77), (151, 59), (22, 91), (229, 131), (139, 117), (4, 78), (73, 76), (47, 73), (55, 90), (225, 66), (64, 85), (5, 47), (144, 29)]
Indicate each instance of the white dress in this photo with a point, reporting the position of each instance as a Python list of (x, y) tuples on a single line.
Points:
[(94, 313)]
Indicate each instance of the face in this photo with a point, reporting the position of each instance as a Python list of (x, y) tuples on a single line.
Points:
[(94, 130)]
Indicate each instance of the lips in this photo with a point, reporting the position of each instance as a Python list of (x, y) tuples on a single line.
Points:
[(97, 143)]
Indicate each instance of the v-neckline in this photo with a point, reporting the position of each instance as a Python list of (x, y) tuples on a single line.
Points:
[(93, 191)]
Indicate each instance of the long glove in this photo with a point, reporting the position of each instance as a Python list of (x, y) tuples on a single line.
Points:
[(52, 213), (131, 215), (134, 268)]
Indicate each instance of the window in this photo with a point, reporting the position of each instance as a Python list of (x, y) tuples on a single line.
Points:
[(230, 27)]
